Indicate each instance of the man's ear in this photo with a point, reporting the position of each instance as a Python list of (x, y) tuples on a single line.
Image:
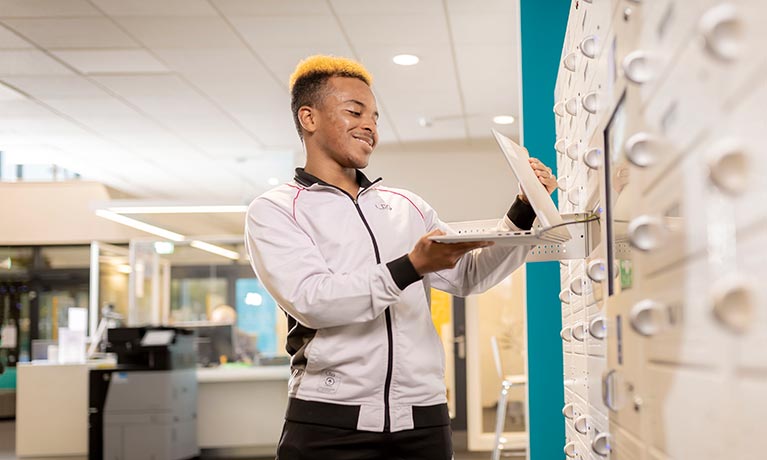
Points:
[(306, 117)]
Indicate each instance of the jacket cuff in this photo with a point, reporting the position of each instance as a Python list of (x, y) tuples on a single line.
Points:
[(521, 214), (403, 272)]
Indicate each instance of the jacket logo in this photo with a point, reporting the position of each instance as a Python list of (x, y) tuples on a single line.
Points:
[(384, 206), (330, 382)]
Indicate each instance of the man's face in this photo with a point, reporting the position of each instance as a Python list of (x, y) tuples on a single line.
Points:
[(347, 122)]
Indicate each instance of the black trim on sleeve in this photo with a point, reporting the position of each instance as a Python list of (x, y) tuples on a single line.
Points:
[(429, 416), (521, 214), (403, 272)]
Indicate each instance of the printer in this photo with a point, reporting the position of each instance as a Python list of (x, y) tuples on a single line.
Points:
[(145, 407)]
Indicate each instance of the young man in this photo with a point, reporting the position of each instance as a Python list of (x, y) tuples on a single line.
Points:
[(350, 263)]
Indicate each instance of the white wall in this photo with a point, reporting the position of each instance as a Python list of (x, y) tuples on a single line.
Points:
[(461, 180), (37, 213)]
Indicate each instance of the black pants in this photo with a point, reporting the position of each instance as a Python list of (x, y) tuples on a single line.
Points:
[(303, 441)]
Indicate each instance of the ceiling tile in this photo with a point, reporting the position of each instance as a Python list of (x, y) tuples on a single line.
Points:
[(167, 86), (272, 7), (61, 33), (376, 8), (489, 83), (479, 128), (288, 31), (488, 6), (156, 7), (8, 93), (405, 29), (46, 8), (181, 32), (220, 61), (29, 62), (9, 40), (483, 28), (112, 61), (56, 87)]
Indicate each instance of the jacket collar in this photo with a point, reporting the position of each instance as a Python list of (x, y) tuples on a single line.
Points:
[(307, 180)]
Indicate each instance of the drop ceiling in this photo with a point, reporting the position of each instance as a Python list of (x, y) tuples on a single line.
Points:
[(188, 99)]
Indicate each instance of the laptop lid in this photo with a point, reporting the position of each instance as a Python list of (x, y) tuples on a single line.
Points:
[(536, 193)]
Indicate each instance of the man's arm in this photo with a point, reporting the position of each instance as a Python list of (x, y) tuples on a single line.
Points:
[(295, 273)]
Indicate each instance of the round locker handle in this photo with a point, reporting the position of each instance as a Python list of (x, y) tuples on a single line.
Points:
[(576, 286), (648, 317), (559, 108), (590, 102), (734, 302), (568, 411), (593, 158), (647, 233), (565, 296), (722, 31), (562, 183), (574, 197), (572, 150), (589, 46), (642, 149), (570, 61), (581, 424), (729, 166), (601, 444), (597, 270), (559, 146), (570, 449), (566, 333), (598, 328), (571, 106), (579, 332), (637, 67)]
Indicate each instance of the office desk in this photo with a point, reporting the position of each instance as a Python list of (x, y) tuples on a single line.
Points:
[(239, 410)]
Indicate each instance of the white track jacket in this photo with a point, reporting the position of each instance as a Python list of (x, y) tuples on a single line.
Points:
[(365, 354)]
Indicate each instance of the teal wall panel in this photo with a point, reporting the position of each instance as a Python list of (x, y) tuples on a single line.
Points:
[(543, 30)]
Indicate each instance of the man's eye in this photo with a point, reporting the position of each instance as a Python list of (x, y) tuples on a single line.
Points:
[(356, 114)]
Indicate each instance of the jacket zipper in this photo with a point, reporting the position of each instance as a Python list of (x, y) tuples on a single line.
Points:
[(389, 332), (387, 313)]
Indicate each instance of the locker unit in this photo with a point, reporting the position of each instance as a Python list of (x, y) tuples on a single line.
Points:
[(658, 106)]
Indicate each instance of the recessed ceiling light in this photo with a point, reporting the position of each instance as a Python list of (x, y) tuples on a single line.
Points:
[(503, 120), (406, 59), (273, 181)]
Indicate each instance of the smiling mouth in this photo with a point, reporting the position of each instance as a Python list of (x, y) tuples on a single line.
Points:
[(365, 140)]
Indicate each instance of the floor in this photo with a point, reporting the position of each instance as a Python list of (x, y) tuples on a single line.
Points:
[(8, 447)]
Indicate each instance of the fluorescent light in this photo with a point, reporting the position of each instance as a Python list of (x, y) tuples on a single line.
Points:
[(191, 209), (503, 120), (405, 59), (273, 181), (138, 225), (163, 247), (213, 249), (124, 268)]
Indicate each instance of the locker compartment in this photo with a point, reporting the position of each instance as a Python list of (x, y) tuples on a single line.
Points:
[(739, 294), (731, 37), (622, 381), (666, 28), (578, 332), (675, 319), (596, 370), (625, 446), (598, 14), (580, 376), (597, 329), (745, 434), (733, 159), (686, 410)]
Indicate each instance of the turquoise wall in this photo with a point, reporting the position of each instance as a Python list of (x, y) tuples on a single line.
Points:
[(543, 32)]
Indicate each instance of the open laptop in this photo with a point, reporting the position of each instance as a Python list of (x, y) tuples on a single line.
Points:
[(550, 224)]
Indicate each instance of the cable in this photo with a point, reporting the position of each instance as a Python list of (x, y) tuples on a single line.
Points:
[(591, 218)]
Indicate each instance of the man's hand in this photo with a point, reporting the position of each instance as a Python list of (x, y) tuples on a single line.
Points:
[(544, 175), (429, 256)]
